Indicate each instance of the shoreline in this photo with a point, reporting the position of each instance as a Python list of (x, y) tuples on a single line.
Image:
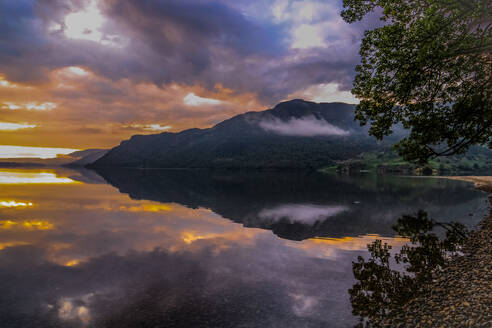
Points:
[(459, 296), (481, 182)]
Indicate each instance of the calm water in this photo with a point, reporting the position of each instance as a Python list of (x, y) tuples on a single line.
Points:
[(172, 248)]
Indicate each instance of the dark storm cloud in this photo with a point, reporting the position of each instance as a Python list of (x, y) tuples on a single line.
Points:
[(193, 42), (17, 35), (111, 64), (189, 41)]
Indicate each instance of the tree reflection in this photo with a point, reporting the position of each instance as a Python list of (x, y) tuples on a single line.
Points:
[(386, 282)]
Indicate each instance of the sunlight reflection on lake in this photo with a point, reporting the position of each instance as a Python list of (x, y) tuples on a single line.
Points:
[(31, 177)]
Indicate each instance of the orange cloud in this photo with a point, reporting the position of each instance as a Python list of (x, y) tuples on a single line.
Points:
[(89, 110)]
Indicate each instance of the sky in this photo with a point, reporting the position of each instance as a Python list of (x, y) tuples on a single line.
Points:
[(89, 73)]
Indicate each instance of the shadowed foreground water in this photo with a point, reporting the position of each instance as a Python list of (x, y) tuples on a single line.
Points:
[(171, 248)]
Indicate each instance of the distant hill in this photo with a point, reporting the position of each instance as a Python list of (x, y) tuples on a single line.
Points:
[(75, 159), (294, 134), (87, 156)]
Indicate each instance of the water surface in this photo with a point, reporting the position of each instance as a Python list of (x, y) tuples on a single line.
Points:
[(193, 248)]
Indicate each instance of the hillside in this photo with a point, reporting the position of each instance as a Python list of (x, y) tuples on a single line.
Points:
[(476, 160), (294, 134)]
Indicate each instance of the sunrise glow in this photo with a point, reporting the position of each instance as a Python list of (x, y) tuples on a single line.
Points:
[(33, 152)]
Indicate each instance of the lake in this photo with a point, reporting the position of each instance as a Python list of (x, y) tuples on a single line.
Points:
[(198, 248)]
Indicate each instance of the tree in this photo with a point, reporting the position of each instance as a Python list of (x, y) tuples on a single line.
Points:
[(428, 68)]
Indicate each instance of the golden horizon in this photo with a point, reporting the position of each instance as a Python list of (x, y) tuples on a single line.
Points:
[(12, 152)]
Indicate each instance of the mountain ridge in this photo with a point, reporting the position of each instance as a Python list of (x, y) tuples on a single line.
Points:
[(293, 134)]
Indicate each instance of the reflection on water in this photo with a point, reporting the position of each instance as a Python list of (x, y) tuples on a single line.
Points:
[(31, 177), (198, 248), (13, 203), (30, 225), (301, 205), (382, 287)]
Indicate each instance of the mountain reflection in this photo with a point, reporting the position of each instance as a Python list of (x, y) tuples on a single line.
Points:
[(298, 205), (85, 255)]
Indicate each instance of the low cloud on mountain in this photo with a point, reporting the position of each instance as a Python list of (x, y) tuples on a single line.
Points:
[(308, 126)]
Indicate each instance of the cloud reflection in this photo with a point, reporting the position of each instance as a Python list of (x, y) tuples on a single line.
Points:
[(13, 203), (304, 213), (308, 126)]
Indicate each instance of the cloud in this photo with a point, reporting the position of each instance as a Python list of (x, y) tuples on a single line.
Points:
[(33, 152), (239, 45), (325, 92), (307, 36), (148, 127), (304, 305), (307, 126), (110, 63), (193, 100), (302, 213), (13, 203), (15, 126), (29, 106)]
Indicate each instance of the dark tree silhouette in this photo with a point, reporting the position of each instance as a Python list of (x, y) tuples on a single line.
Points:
[(429, 68)]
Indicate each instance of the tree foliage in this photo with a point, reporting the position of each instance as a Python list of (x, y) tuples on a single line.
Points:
[(429, 68)]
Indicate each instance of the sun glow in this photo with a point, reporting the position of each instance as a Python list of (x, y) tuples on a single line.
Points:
[(86, 24), (33, 152), (190, 237), (146, 208), (72, 263), (32, 178)]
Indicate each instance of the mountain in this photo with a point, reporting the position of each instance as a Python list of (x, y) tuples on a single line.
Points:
[(293, 134), (85, 157)]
